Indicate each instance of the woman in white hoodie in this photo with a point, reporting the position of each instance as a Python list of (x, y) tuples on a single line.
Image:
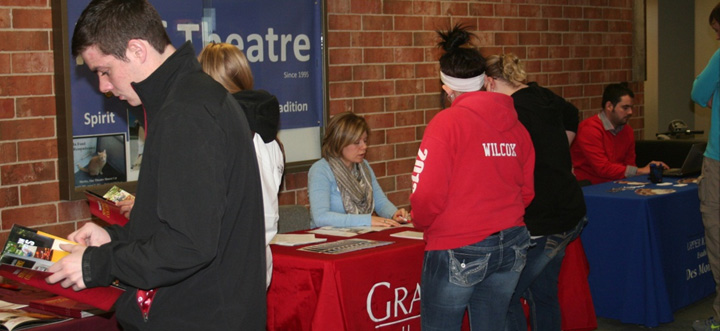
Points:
[(228, 65)]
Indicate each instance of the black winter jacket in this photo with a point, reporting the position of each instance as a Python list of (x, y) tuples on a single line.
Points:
[(196, 232)]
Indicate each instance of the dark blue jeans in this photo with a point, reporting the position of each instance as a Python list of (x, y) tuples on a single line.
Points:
[(538, 283), (480, 278)]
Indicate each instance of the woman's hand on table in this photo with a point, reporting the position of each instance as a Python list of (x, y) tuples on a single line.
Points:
[(382, 222), (402, 216)]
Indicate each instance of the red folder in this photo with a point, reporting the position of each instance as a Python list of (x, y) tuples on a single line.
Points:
[(99, 297), (63, 306), (104, 209)]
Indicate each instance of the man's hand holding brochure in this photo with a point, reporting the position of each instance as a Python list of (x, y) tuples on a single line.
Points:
[(68, 271), (113, 207), (54, 264)]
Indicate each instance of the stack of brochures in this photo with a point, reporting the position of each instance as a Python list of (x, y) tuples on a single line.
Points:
[(65, 307), (345, 246)]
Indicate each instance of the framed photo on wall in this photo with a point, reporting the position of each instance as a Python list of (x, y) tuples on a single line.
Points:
[(101, 138)]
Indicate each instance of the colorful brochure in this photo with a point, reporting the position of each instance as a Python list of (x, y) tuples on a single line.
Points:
[(105, 206), (27, 255)]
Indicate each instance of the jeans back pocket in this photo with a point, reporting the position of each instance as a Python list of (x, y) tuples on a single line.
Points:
[(520, 257), (467, 268)]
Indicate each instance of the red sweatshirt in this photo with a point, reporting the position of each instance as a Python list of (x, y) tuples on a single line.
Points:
[(598, 155), (473, 174)]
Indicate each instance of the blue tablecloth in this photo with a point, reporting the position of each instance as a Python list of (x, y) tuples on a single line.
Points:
[(646, 252)]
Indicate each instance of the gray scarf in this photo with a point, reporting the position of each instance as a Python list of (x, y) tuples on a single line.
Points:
[(354, 185)]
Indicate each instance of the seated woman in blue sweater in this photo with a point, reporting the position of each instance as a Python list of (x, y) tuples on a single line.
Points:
[(342, 187)]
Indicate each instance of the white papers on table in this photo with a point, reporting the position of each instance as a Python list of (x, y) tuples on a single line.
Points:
[(343, 232), (287, 239), (409, 235), (10, 305)]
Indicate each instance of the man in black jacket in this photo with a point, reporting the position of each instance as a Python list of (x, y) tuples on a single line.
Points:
[(193, 252)]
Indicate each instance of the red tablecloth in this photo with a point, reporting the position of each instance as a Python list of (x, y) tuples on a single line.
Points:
[(379, 288), (24, 293), (93, 323), (578, 312)]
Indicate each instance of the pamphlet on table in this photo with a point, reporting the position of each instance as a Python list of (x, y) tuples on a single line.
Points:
[(417, 235), (290, 239), (11, 305), (342, 232), (15, 319), (648, 188), (344, 246)]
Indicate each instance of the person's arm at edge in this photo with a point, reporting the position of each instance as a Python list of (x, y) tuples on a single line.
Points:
[(706, 82)]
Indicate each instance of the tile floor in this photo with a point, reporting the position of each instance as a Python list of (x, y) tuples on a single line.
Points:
[(683, 318)]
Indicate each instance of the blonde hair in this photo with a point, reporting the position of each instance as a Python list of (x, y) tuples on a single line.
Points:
[(343, 130), (506, 67), (228, 65)]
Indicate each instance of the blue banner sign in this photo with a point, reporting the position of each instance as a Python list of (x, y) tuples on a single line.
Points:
[(282, 40)]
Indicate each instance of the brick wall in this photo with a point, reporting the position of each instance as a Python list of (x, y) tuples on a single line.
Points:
[(28, 139), (382, 64)]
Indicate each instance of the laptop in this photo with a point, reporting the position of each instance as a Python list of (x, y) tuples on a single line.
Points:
[(692, 164)]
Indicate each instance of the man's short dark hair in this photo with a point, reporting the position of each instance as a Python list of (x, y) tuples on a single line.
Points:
[(615, 92), (111, 24)]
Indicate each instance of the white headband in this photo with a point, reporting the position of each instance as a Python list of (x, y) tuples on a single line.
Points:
[(471, 84)]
